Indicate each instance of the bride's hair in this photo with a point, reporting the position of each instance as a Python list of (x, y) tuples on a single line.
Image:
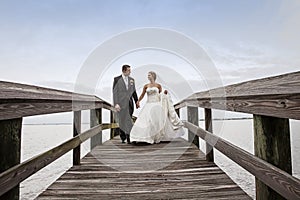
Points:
[(153, 74)]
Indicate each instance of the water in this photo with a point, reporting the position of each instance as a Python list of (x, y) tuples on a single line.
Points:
[(37, 139)]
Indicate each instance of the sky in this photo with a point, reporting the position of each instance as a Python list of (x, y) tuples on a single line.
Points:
[(48, 42)]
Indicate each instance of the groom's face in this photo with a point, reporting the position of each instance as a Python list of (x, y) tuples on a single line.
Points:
[(127, 71)]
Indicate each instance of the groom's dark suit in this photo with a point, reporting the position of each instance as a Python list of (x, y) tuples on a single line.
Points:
[(124, 97)]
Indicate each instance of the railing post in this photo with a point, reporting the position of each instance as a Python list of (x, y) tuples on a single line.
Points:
[(194, 119), (208, 127), (112, 130), (272, 143), (76, 131), (96, 119), (10, 150), (178, 112)]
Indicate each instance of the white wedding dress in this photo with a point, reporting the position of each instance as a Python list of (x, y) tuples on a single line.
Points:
[(157, 121)]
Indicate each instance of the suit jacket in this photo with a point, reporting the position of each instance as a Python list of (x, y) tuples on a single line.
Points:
[(122, 96)]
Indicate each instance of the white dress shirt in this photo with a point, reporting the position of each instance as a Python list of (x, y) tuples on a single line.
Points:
[(125, 78)]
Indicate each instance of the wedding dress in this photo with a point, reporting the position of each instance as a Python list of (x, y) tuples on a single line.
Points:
[(157, 121)]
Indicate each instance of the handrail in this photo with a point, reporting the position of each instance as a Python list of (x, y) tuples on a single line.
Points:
[(282, 182), (13, 176), (277, 96), (20, 100)]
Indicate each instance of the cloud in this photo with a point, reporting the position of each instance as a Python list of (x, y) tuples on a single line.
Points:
[(289, 32), (243, 61)]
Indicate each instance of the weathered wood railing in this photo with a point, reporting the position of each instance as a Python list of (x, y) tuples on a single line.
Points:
[(18, 101), (272, 101)]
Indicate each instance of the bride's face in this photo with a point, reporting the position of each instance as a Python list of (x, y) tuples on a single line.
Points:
[(150, 77)]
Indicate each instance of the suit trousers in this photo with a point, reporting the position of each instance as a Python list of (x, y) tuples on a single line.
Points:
[(125, 122)]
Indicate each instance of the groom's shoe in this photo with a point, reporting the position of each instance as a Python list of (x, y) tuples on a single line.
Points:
[(128, 139), (123, 141)]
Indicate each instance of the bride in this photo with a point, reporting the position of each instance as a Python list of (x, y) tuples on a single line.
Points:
[(157, 120)]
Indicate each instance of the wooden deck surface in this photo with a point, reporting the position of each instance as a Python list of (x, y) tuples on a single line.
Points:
[(174, 170)]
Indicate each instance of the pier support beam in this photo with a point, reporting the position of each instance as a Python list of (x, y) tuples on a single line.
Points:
[(208, 127), (272, 144), (113, 131), (194, 119), (10, 151), (96, 119), (76, 131)]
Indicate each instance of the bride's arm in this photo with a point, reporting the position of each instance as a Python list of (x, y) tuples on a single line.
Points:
[(143, 93), (159, 88)]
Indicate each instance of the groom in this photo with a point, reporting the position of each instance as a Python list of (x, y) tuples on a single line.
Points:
[(123, 95)]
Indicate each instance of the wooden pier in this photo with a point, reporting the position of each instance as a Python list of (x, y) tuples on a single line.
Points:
[(177, 169), (121, 171)]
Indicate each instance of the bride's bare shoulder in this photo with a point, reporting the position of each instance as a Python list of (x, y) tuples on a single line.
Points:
[(145, 86), (158, 85)]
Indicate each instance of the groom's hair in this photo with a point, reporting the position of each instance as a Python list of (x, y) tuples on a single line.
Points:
[(124, 67)]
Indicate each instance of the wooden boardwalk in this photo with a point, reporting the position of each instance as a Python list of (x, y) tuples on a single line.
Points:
[(174, 170)]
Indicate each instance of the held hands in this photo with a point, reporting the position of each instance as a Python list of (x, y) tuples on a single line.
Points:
[(117, 107), (137, 104)]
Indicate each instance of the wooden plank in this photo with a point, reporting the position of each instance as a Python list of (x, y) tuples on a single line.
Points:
[(13, 176), (10, 90), (18, 100), (277, 179), (25, 109), (10, 150), (272, 144), (277, 96), (189, 176), (277, 105)]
